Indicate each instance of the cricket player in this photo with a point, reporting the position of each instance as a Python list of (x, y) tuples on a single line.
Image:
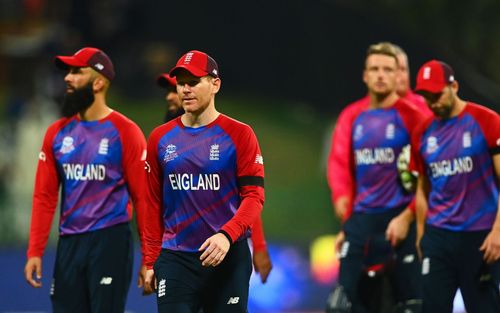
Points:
[(457, 156), (96, 157)]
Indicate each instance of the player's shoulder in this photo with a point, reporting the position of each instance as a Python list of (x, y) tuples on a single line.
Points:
[(59, 124), (480, 111), (162, 129), (121, 120), (356, 106), (232, 124)]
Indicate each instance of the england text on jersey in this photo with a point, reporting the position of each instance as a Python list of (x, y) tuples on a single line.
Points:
[(84, 171), (451, 167), (368, 156), (191, 182)]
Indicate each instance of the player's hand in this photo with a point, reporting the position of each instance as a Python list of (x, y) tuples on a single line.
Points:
[(149, 282), (397, 230), (339, 241), (262, 264), (491, 246), (341, 206), (141, 281), (32, 268), (215, 250)]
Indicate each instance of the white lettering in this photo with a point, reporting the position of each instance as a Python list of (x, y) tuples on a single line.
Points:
[(451, 167), (84, 172), (192, 182), (369, 156)]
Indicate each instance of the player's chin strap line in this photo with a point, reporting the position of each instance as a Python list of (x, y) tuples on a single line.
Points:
[(338, 302), (409, 306)]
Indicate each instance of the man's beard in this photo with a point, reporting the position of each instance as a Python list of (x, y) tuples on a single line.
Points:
[(78, 101)]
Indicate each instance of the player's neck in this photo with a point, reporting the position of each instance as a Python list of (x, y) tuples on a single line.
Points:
[(380, 102), (195, 119), (458, 107), (97, 111)]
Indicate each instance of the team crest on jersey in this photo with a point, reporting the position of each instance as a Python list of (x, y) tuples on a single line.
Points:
[(358, 132), (214, 152), (67, 145), (467, 140), (389, 131), (170, 153), (432, 144), (103, 146)]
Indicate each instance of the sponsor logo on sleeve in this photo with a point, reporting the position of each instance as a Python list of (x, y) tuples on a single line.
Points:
[(259, 159), (42, 156)]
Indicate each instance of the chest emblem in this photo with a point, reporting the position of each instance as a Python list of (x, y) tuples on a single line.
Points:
[(67, 145), (214, 152), (432, 144), (170, 153), (467, 140)]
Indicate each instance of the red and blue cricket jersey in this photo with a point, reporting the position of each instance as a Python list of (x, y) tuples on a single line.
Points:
[(455, 154), (340, 162), (99, 166), (378, 137), (201, 181)]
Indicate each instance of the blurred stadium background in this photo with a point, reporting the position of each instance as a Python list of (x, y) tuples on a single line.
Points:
[(288, 68)]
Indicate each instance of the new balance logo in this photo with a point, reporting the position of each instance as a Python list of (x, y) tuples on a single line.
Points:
[(233, 300), (162, 287), (106, 280)]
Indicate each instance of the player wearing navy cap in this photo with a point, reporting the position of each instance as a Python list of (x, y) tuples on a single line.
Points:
[(206, 190), (457, 155), (97, 157)]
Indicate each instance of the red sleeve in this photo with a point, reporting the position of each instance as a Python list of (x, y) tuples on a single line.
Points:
[(416, 161), (134, 158), (153, 218), (250, 172), (489, 121), (258, 238), (45, 194), (340, 164)]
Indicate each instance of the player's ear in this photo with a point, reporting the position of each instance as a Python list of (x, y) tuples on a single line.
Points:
[(99, 84), (216, 82)]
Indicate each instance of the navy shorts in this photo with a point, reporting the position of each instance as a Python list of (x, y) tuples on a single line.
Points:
[(368, 230), (185, 286), (452, 260), (93, 270)]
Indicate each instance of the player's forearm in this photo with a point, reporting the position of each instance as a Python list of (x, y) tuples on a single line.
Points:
[(258, 238), (420, 206), (250, 208)]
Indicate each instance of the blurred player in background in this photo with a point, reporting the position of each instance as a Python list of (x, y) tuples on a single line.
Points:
[(340, 161), (457, 155), (260, 257), (97, 157), (376, 131), (174, 106), (206, 190)]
